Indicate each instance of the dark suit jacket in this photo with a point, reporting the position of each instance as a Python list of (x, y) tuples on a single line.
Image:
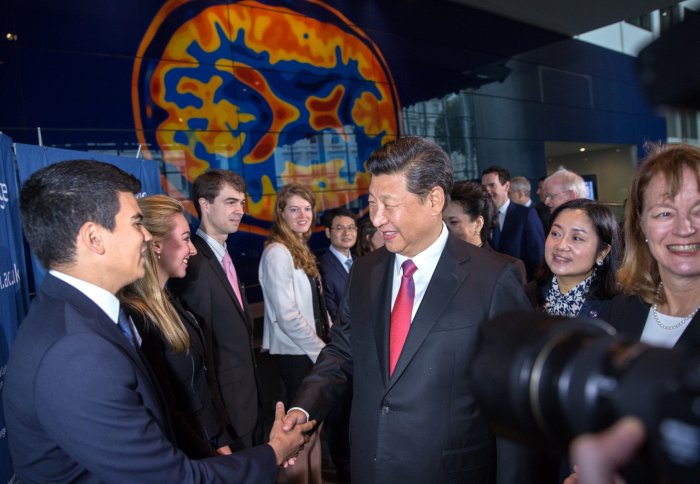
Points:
[(545, 215), (81, 405), (334, 277), (422, 424), (190, 388), (628, 314), (522, 237), (513, 260), (206, 292)]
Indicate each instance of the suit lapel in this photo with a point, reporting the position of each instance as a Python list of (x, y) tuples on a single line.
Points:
[(98, 321), (449, 275), (508, 221), (380, 280), (691, 336), (218, 271)]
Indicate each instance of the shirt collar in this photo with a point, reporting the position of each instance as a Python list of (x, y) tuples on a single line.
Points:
[(341, 257), (428, 259), (107, 301), (504, 207), (218, 249)]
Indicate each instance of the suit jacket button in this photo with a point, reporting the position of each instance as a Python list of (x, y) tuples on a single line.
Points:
[(385, 410)]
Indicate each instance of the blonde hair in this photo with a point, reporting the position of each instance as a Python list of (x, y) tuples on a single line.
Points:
[(639, 273), (146, 296), (280, 231)]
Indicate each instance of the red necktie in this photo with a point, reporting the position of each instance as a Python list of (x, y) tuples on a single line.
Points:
[(401, 314), (230, 271)]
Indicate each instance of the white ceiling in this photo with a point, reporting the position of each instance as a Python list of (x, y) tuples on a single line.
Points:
[(568, 17)]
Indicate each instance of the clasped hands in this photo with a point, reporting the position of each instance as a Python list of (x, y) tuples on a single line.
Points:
[(288, 440)]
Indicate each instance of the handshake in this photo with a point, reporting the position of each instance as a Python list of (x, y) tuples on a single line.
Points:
[(287, 439)]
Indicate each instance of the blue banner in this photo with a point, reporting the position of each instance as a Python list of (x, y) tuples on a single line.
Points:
[(31, 158), (14, 294)]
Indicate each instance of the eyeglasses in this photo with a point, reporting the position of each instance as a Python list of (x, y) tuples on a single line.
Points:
[(552, 196), (343, 228)]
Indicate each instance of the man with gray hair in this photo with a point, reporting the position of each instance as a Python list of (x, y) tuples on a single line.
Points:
[(561, 186), (520, 193)]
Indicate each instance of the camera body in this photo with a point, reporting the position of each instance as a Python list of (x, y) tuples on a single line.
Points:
[(543, 380)]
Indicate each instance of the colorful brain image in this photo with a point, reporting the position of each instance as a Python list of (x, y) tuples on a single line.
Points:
[(276, 91)]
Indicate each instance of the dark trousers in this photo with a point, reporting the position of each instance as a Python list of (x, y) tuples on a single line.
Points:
[(293, 369)]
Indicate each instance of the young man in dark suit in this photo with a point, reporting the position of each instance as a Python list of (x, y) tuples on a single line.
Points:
[(519, 232), (81, 404), (407, 332), (341, 230), (335, 263), (212, 291)]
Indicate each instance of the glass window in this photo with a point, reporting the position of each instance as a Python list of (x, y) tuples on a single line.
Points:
[(669, 16), (643, 21)]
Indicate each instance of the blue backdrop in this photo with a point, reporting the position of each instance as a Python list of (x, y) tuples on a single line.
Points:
[(14, 294), (31, 158)]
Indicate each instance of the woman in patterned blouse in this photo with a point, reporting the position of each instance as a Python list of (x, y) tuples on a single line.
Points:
[(582, 255)]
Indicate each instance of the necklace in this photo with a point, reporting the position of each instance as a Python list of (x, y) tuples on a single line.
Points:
[(680, 323)]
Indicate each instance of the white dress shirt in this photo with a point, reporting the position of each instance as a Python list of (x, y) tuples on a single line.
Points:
[(502, 213), (218, 249), (107, 301), (341, 257), (425, 263)]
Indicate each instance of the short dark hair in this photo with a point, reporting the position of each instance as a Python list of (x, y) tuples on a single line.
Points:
[(58, 199), (423, 162), (331, 214), (605, 284), (503, 174), (474, 201), (208, 186)]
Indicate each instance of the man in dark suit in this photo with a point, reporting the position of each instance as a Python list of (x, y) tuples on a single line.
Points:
[(212, 291), (407, 332), (81, 404), (520, 191), (335, 264), (341, 230), (519, 232)]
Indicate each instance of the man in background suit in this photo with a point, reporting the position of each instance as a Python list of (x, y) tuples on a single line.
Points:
[(341, 229), (407, 332), (519, 232), (561, 186), (212, 291), (520, 191), (81, 403), (335, 264)]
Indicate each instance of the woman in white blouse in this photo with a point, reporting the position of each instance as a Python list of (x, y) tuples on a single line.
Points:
[(296, 321)]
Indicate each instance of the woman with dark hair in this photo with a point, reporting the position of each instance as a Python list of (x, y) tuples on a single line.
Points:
[(660, 273), (582, 253), (368, 237), (296, 321), (471, 215)]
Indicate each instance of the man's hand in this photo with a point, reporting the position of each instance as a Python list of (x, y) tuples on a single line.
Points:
[(288, 443), (225, 450), (598, 457), (294, 417)]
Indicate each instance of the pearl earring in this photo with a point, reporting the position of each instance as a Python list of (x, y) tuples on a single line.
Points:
[(599, 262)]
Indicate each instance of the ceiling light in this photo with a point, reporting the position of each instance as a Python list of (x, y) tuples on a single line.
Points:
[(582, 149)]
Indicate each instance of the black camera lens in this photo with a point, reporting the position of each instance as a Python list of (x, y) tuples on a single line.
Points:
[(543, 380)]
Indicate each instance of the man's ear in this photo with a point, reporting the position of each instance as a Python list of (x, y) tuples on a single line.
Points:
[(328, 232), (203, 204), (91, 236), (436, 199)]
